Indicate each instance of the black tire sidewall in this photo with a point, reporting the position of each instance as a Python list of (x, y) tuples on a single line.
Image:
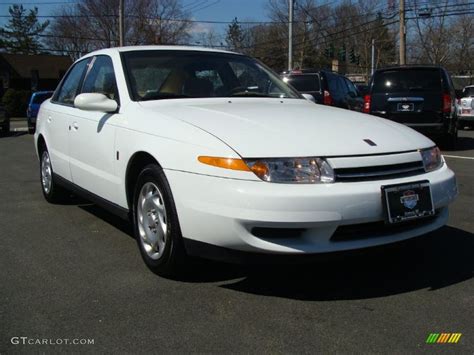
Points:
[(56, 193), (173, 254)]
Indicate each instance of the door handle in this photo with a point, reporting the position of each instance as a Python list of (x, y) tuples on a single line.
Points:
[(75, 126)]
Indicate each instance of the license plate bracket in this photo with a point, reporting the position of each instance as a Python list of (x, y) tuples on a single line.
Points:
[(409, 201), (405, 107)]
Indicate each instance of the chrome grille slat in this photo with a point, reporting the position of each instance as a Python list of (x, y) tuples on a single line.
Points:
[(379, 172)]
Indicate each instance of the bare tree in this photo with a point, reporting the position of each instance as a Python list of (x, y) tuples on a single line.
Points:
[(443, 33), (93, 24)]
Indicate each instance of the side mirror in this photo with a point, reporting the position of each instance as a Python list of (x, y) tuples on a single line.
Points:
[(309, 97), (95, 102)]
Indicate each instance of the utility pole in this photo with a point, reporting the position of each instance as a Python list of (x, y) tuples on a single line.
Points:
[(291, 3), (121, 23), (372, 67), (403, 33)]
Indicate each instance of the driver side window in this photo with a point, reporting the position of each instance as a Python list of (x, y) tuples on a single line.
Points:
[(71, 85)]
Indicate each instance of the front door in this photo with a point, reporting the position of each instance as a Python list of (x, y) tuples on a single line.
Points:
[(92, 137)]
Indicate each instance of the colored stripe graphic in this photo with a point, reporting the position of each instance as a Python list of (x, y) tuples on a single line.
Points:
[(432, 338), (443, 338), (454, 338)]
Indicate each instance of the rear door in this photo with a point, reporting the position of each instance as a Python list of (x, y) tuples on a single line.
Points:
[(412, 96), (354, 100), (337, 90), (57, 118), (307, 83)]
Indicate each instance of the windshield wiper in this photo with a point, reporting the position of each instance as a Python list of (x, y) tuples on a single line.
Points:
[(162, 96), (415, 88)]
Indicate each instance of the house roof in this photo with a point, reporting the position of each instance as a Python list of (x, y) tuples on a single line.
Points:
[(48, 66)]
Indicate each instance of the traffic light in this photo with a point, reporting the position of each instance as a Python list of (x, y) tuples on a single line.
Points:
[(327, 53), (342, 54), (352, 56)]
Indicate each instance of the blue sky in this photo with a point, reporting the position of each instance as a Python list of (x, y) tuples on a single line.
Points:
[(215, 10)]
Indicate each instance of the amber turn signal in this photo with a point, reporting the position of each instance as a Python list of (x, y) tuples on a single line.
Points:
[(225, 163)]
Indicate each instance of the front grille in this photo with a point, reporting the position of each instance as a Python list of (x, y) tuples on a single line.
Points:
[(376, 229), (277, 233), (379, 172)]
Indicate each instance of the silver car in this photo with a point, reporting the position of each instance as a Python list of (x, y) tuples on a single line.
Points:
[(466, 107)]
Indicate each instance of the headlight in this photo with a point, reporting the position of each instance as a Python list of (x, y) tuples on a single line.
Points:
[(279, 170), (292, 170), (432, 158)]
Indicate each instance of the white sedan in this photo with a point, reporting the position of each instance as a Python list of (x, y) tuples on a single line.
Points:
[(209, 153)]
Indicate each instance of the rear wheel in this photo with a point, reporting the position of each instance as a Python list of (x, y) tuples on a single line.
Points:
[(52, 192), (450, 139), (6, 127), (156, 225)]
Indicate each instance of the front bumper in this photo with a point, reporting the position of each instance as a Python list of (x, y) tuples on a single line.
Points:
[(228, 212)]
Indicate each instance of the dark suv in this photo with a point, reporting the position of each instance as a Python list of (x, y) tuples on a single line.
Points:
[(4, 119), (421, 97), (327, 88)]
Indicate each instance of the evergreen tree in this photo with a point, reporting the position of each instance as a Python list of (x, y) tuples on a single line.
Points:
[(235, 36), (20, 35)]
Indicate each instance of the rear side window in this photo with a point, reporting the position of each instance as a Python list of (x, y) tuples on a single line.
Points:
[(305, 83), (468, 92), (71, 85), (336, 86), (351, 87), (407, 80)]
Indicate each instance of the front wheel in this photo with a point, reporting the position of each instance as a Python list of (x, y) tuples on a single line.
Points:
[(156, 225)]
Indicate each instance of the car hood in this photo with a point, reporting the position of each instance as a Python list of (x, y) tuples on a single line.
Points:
[(257, 128)]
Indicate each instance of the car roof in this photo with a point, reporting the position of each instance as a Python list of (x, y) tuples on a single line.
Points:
[(155, 48), (308, 71), (42, 92), (410, 66)]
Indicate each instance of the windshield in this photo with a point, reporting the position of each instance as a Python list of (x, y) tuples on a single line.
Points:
[(468, 91), (304, 82), (407, 80), (155, 75)]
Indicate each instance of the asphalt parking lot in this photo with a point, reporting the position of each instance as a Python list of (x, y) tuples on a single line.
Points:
[(74, 272)]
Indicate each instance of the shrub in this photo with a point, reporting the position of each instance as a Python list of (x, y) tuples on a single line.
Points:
[(16, 102)]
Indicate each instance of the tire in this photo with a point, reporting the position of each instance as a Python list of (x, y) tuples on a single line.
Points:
[(450, 139), (52, 192), (156, 225), (6, 128)]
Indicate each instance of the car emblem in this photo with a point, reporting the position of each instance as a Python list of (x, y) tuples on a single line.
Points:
[(409, 199), (370, 142), (406, 107)]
